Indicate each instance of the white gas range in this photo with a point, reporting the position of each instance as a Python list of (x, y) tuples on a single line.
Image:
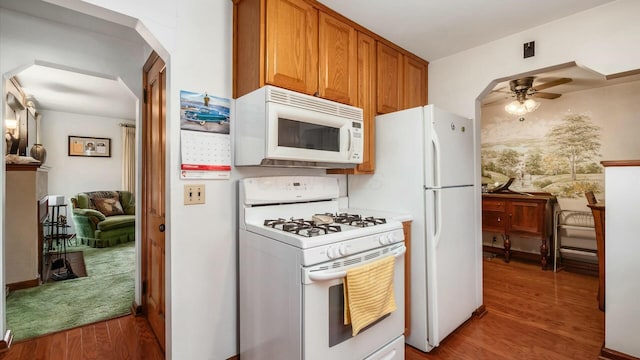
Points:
[(295, 247)]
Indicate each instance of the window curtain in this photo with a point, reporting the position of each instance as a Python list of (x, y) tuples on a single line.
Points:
[(129, 158)]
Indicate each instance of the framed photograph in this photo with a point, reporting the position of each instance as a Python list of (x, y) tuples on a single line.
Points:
[(89, 146)]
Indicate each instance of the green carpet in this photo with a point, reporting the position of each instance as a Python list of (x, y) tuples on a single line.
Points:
[(106, 292)]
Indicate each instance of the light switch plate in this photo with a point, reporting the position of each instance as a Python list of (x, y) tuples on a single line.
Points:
[(194, 194)]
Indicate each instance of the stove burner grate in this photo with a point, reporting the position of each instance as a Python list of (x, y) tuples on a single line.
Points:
[(309, 228), (302, 227)]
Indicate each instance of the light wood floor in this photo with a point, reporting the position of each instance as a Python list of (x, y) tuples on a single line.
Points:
[(532, 314), (126, 337)]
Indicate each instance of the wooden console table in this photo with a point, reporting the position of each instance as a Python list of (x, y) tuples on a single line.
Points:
[(522, 215)]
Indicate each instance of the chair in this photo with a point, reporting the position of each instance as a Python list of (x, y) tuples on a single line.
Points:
[(598, 211)]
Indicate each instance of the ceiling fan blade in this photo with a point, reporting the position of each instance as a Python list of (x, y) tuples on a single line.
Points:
[(501, 89), (552, 83), (546, 95), (492, 102)]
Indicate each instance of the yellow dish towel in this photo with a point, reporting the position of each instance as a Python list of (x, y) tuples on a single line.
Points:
[(368, 293)]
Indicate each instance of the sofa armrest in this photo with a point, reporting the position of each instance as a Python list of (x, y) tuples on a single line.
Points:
[(89, 212)]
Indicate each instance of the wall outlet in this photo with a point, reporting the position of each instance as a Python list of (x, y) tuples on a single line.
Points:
[(194, 194)]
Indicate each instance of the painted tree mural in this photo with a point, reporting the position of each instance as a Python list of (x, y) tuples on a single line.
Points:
[(561, 158), (577, 139)]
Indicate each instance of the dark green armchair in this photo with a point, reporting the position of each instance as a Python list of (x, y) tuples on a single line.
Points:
[(104, 218)]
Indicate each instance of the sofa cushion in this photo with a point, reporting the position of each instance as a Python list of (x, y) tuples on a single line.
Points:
[(92, 195), (117, 221), (108, 206)]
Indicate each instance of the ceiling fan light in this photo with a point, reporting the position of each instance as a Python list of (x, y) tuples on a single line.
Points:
[(531, 105), (515, 108)]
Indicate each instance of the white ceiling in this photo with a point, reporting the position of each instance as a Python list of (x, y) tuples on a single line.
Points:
[(73, 91), (59, 88), (431, 29), (581, 79)]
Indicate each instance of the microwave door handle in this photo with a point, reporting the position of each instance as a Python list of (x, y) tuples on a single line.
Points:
[(350, 136), (333, 275)]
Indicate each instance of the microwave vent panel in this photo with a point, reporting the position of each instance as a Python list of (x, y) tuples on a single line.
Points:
[(314, 104)]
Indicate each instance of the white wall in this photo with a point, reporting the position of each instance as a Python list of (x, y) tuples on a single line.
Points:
[(69, 175), (622, 320), (600, 38)]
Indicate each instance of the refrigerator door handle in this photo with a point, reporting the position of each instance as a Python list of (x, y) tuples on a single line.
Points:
[(437, 214), (435, 158)]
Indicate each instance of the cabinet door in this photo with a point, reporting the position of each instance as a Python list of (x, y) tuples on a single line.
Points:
[(367, 97), (526, 217), (338, 60), (415, 82), (390, 79), (493, 216), (292, 45)]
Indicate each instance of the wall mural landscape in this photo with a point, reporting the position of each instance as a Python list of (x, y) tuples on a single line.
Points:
[(558, 148), (564, 162)]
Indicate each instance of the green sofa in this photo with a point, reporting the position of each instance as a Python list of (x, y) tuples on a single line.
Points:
[(104, 218)]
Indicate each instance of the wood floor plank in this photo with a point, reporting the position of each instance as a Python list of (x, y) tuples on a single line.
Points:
[(74, 344), (58, 347), (89, 348), (104, 346), (27, 351), (532, 314), (120, 351)]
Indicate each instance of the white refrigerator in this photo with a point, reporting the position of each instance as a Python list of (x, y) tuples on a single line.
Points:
[(425, 167)]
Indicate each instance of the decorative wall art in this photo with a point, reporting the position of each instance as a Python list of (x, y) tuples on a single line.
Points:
[(89, 146), (204, 135)]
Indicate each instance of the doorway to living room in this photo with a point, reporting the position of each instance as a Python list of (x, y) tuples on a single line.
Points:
[(97, 50)]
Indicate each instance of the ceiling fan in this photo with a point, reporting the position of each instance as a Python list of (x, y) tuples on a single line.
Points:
[(524, 87), (524, 92)]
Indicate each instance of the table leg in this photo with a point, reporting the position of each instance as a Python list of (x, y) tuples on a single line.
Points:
[(507, 249), (544, 250)]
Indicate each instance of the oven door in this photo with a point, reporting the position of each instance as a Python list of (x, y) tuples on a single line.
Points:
[(324, 334)]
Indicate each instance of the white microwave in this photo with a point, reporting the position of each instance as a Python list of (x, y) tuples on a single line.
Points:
[(278, 127)]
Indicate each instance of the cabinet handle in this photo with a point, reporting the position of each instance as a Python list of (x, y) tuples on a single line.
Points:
[(161, 228), (499, 219)]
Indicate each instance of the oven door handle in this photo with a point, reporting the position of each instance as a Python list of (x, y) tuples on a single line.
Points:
[(333, 275), (390, 356)]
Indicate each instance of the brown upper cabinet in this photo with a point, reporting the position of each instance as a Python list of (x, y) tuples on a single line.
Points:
[(415, 81), (367, 98), (292, 45), (338, 60), (295, 47), (402, 80), (390, 79), (302, 45)]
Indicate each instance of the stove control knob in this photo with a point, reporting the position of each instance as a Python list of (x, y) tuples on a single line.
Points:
[(342, 250), (382, 240), (332, 252), (390, 238)]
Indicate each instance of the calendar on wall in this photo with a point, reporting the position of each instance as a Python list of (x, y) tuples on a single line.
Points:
[(205, 142)]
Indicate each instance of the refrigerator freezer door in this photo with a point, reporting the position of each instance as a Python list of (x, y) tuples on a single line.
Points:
[(450, 247), (450, 150)]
